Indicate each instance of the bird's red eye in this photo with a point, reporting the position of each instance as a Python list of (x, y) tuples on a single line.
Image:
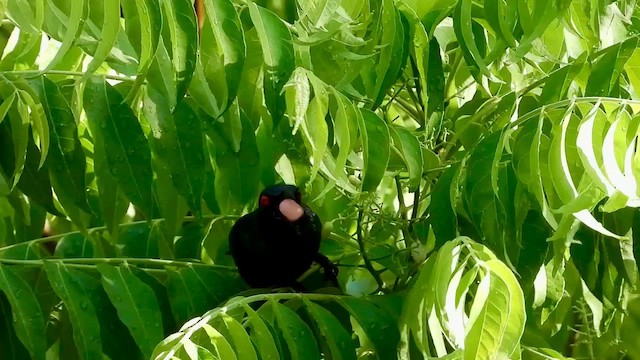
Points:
[(264, 201)]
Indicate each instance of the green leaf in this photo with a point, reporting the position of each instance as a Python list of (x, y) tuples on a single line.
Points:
[(239, 338), (607, 69), (296, 333), (237, 179), (74, 245), (463, 26), (179, 144), (137, 241), (180, 36), (196, 289), (66, 160), (261, 336), (110, 28), (381, 329), (497, 317), (136, 304), (332, 331), (86, 325), (228, 45), (11, 348), (26, 312), (393, 52), (412, 153), (376, 146), (126, 147), (74, 24), (277, 49), (143, 25)]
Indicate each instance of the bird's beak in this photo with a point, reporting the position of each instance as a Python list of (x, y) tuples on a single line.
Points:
[(291, 210)]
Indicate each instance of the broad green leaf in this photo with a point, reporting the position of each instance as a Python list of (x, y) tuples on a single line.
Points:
[(214, 338), (11, 348), (297, 334), (412, 153), (261, 336), (126, 147), (237, 179), (74, 245), (196, 289), (67, 163), (33, 182), (332, 331), (137, 241), (136, 304), (25, 310), (607, 69), (180, 146), (393, 52), (86, 325), (180, 35), (239, 338), (229, 45), (441, 207), (381, 329), (463, 26), (315, 129), (376, 146), (113, 201), (143, 25), (277, 49), (558, 82)]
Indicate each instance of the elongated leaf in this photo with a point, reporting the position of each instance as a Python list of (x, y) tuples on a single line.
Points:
[(194, 290), (296, 333), (180, 36), (180, 146), (463, 26), (229, 41), (377, 324), (136, 304), (237, 178), (74, 28), (375, 140), (277, 49), (26, 312), (126, 147), (393, 53), (262, 338), (108, 36), (412, 152), (607, 69), (66, 160), (11, 348), (333, 333), (143, 25), (496, 321), (239, 338), (86, 325), (316, 131)]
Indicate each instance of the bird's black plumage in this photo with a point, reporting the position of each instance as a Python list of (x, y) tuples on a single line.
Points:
[(270, 248)]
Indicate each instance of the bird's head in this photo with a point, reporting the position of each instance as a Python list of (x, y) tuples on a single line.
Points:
[(282, 201)]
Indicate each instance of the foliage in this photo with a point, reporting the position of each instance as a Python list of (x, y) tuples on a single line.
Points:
[(475, 164)]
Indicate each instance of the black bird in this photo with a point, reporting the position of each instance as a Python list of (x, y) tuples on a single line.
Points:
[(277, 243)]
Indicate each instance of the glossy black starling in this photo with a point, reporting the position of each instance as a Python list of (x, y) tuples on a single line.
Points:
[(277, 243)]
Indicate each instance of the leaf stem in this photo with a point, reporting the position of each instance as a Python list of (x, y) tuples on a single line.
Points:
[(28, 73)]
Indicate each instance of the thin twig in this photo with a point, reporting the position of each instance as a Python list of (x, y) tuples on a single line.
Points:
[(365, 257)]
